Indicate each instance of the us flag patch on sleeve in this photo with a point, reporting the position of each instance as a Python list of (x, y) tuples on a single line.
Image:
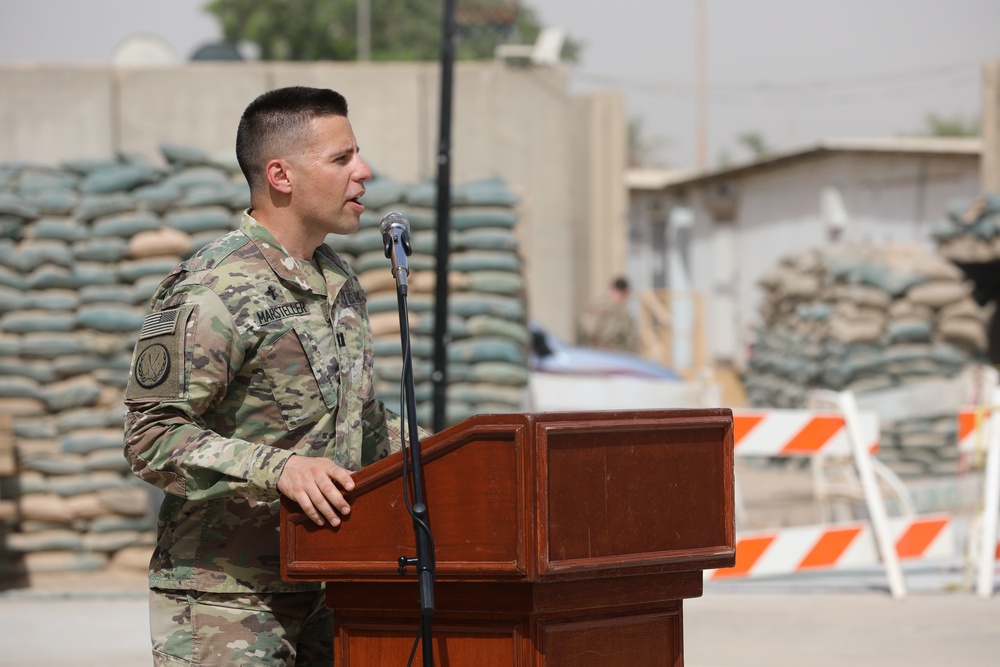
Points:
[(159, 324)]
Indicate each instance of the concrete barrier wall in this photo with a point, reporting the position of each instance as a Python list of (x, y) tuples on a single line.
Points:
[(563, 153)]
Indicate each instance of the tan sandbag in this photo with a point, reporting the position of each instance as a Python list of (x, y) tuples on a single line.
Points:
[(132, 558), (45, 507), (964, 332), (862, 295), (965, 308), (127, 500), (938, 293), (849, 332), (156, 242), (904, 309), (85, 506)]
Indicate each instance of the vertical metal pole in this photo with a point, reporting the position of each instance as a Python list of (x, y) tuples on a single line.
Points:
[(440, 377), (701, 83), (991, 127), (364, 20)]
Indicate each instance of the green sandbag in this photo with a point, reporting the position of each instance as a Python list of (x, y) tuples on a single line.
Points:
[(474, 394), (111, 249), (496, 282), (92, 207), (230, 195), (477, 217), (132, 271), (74, 395), (79, 419), (388, 301), (376, 260), (106, 294), (196, 176), (209, 218), (910, 332), (358, 243), (18, 387), (58, 229), (12, 299), (486, 325), (421, 347), (425, 323), (36, 322), (124, 225), (489, 238), (86, 442), (486, 192), (475, 350), (40, 373), (109, 319), (50, 346), (468, 305), (37, 253), (481, 260), (159, 197), (11, 228), (500, 373), (14, 280), (47, 540), (381, 192), (52, 301), (18, 207), (119, 178), (56, 201), (183, 155)]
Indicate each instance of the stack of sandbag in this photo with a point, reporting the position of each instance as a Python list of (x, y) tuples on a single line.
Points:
[(84, 245), (488, 337), (970, 233), (867, 319)]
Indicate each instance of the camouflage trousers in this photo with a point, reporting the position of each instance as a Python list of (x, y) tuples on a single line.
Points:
[(192, 628)]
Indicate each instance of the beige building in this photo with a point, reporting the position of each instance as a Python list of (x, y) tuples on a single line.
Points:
[(716, 232), (564, 154)]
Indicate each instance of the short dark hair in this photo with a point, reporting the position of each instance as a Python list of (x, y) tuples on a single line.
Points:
[(274, 120), (620, 284)]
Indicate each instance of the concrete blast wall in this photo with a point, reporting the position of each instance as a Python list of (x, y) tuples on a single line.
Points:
[(563, 154)]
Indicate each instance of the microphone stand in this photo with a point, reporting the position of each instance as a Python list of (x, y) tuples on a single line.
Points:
[(395, 240)]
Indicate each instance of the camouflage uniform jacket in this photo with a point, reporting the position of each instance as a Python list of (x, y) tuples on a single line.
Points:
[(247, 358)]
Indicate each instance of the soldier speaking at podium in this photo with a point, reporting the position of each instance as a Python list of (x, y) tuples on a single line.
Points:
[(252, 377)]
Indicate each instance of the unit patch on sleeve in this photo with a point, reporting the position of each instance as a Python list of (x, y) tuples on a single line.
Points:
[(158, 362)]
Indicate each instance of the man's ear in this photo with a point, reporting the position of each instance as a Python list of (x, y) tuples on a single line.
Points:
[(277, 176)]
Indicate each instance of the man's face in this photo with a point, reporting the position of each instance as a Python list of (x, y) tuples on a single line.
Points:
[(328, 177)]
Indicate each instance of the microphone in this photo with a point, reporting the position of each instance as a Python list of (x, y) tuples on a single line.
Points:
[(396, 239)]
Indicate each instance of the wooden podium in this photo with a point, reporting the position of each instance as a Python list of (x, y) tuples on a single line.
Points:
[(561, 539)]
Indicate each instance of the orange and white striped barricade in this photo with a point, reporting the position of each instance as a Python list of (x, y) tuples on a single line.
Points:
[(836, 547), (842, 431), (978, 433)]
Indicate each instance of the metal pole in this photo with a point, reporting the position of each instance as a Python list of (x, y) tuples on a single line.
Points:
[(364, 18), (701, 84), (441, 337)]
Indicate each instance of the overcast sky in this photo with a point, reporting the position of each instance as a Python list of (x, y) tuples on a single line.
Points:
[(794, 71)]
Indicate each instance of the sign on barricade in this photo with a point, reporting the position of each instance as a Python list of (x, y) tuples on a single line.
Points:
[(842, 431), (836, 547)]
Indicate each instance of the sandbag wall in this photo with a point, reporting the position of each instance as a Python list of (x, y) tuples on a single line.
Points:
[(865, 318), (82, 247)]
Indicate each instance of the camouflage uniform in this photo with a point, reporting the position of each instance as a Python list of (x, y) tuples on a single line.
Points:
[(247, 358), (609, 326)]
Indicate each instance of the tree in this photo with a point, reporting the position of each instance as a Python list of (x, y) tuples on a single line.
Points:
[(936, 125), (755, 143), (401, 30), (643, 149)]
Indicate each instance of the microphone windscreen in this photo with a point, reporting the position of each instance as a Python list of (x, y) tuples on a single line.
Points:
[(394, 218)]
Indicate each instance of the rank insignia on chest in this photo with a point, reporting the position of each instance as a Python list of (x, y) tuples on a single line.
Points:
[(280, 312)]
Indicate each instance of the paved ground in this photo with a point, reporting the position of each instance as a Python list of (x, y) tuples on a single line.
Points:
[(774, 626), (820, 621)]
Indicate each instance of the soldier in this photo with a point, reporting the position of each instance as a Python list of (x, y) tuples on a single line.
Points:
[(609, 325), (252, 377)]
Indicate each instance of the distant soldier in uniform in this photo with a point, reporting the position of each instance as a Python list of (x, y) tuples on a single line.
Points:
[(609, 325), (252, 378)]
